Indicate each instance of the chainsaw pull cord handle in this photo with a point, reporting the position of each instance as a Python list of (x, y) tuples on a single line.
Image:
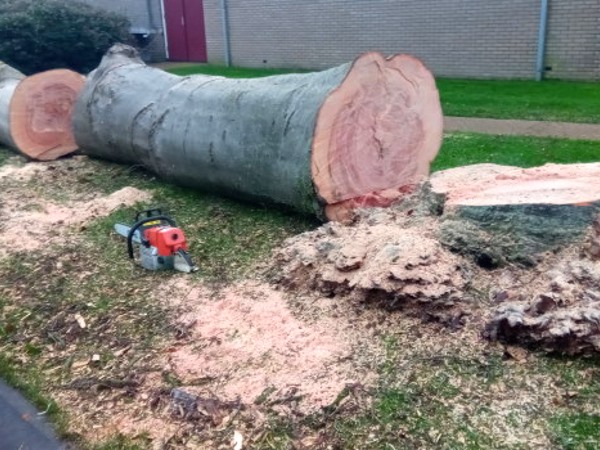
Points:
[(141, 223)]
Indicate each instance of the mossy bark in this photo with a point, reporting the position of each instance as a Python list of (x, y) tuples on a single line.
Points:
[(496, 235)]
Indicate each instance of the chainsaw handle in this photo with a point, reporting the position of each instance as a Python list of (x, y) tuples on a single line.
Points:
[(148, 213), (141, 223)]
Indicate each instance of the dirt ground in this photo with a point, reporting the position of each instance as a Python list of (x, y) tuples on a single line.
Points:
[(334, 316)]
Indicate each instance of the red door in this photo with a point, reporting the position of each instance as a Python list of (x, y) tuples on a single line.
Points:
[(186, 38)]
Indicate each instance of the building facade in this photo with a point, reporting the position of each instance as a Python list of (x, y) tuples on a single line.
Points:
[(455, 38)]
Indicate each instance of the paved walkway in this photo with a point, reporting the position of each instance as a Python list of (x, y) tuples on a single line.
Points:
[(21, 426), (564, 130)]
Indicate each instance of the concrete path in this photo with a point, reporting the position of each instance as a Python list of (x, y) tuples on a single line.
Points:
[(564, 130), (21, 426)]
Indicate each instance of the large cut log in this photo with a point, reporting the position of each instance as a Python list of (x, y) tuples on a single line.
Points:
[(331, 139), (501, 214), (36, 111), (9, 79)]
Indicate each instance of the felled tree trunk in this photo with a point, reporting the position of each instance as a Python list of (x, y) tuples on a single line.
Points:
[(330, 140), (500, 214), (36, 112)]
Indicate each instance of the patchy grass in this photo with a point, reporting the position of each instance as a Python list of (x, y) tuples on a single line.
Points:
[(577, 431), (44, 294), (415, 405), (29, 381), (461, 149), (47, 293), (432, 391), (120, 443), (227, 238), (482, 401), (550, 100)]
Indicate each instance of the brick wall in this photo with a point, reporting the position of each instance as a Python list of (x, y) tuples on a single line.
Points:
[(461, 38), (456, 38), (145, 16), (573, 43)]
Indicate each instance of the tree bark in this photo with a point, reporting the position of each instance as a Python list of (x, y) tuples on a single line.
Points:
[(309, 141), (9, 79), (36, 111)]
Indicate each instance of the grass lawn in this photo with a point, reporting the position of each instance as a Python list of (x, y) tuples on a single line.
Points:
[(513, 99), (461, 149), (230, 72), (549, 100)]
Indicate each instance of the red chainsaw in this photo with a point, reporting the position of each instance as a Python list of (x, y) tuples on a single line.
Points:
[(162, 245)]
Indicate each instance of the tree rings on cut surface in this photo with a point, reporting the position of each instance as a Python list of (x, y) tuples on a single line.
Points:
[(376, 133), (41, 110)]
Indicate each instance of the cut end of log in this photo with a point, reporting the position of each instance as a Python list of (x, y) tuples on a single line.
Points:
[(40, 114), (491, 184), (377, 132)]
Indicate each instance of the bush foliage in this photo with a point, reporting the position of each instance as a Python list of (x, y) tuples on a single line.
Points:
[(38, 35)]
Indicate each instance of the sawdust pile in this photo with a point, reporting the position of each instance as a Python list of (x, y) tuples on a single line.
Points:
[(246, 344), (386, 252), (21, 173), (30, 221), (394, 258), (240, 354)]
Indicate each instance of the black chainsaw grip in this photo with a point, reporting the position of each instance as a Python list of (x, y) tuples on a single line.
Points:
[(138, 225), (152, 212)]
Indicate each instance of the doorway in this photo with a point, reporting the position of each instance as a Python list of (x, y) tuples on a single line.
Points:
[(185, 30)]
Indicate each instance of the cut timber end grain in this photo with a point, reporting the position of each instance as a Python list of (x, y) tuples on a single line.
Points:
[(378, 131), (40, 114), (490, 184)]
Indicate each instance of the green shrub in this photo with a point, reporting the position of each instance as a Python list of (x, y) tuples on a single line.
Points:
[(38, 35)]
